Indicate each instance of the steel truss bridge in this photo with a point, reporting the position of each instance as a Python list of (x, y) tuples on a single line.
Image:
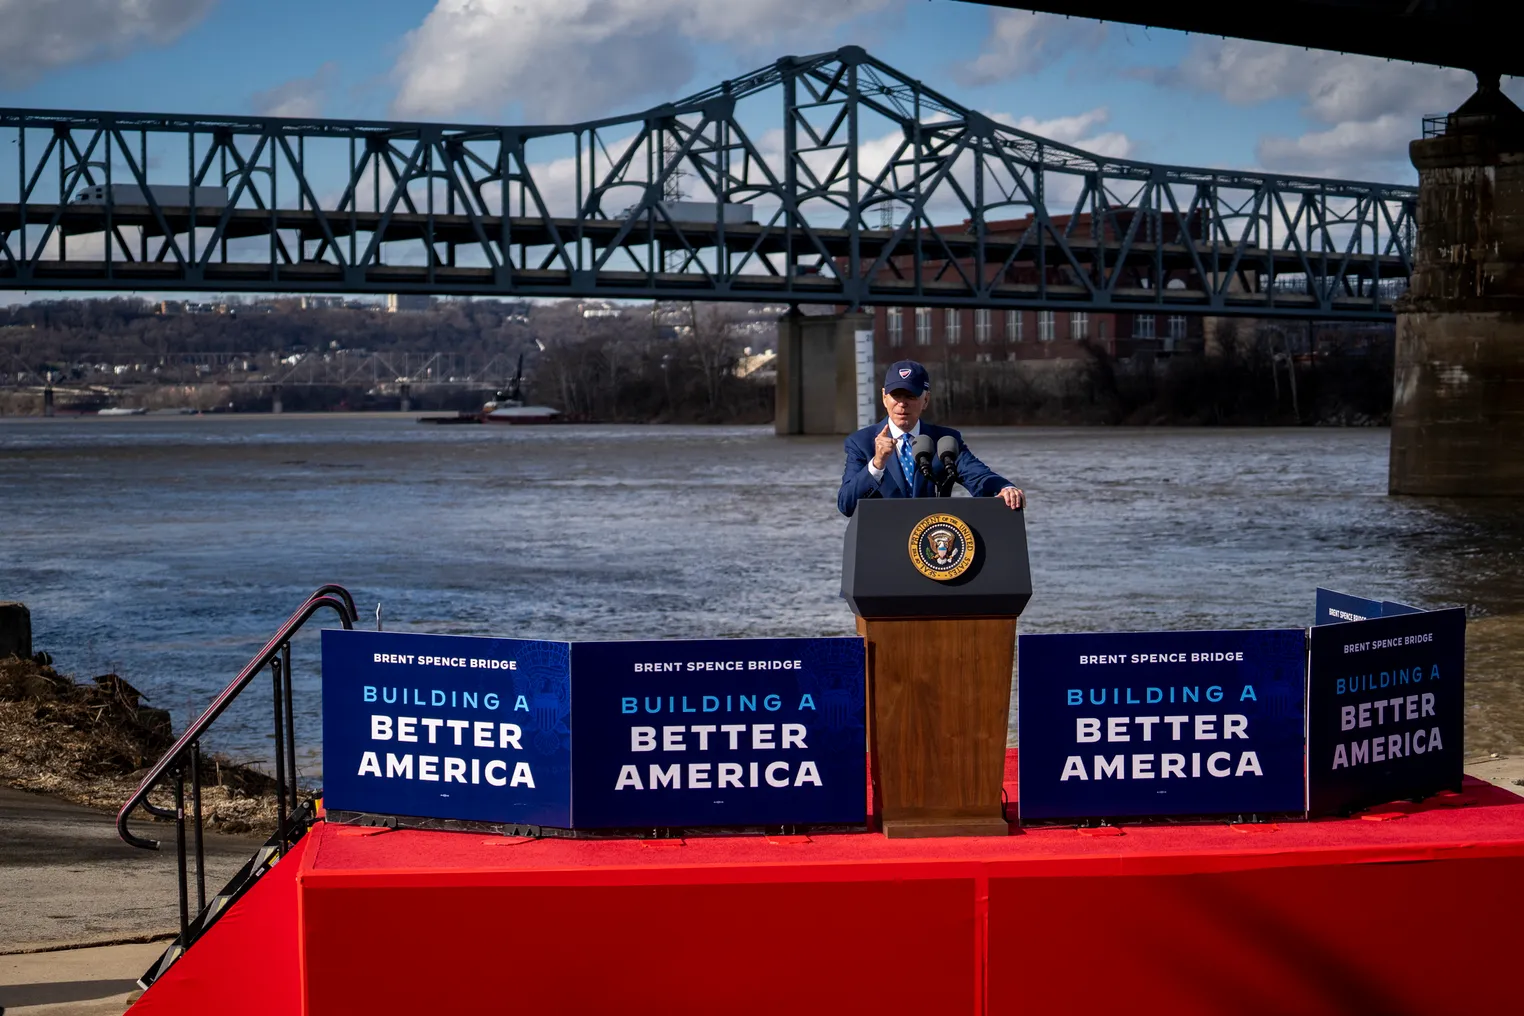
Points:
[(856, 185)]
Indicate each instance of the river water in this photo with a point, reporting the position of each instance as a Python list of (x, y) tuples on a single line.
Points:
[(169, 548)]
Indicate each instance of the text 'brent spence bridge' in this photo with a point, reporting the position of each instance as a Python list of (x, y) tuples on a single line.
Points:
[(861, 187)]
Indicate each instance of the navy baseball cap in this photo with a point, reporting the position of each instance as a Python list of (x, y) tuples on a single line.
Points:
[(909, 375)]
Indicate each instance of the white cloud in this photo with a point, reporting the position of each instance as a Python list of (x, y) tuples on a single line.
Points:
[(1364, 110), (562, 60), (39, 36), (1335, 87), (1350, 149), (1078, 130), (299, 97), (1021, 42)]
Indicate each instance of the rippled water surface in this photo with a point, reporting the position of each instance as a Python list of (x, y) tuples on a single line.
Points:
[(168, 549)]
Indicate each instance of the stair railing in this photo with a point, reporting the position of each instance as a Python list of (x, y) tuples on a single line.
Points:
[(182, 764)]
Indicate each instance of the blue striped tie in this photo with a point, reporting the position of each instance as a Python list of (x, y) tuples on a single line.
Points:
[(907, 463)]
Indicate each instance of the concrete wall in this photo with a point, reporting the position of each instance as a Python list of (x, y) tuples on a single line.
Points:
[(817, 373)]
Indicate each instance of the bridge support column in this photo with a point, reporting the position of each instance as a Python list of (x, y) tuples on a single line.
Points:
[(47, 401), (407, 398), (275, 403), (1458, 398), (818, 383)]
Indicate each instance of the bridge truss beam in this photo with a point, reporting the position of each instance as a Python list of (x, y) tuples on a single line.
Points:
[(830, 179)]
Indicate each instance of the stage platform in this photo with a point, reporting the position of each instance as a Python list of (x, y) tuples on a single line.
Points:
[(1412, 908)]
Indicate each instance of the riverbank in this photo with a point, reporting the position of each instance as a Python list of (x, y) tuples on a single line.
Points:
[(91, 743)]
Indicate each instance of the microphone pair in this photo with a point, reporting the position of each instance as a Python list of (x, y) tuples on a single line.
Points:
[(944, 450)]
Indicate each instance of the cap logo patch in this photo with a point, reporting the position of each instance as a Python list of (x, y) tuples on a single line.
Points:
[(904, 372)]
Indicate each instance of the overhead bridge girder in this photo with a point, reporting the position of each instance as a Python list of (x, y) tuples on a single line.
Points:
[(830, 179)]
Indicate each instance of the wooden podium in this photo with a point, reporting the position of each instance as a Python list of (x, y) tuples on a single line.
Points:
[(937, 585)]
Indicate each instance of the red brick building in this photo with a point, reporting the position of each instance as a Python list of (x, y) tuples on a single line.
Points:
[(982, 335)]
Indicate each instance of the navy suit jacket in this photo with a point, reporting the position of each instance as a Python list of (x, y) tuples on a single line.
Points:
[(857, 483)]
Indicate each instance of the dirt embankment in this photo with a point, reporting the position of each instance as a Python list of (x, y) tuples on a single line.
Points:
[(92, 743)]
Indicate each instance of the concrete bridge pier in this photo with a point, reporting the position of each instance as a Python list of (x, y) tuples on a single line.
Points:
[(47, 400), (1458, 400), (275, 403), (825, 373), (407, 398)]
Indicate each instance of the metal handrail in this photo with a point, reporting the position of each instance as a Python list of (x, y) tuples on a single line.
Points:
[(331, 596)]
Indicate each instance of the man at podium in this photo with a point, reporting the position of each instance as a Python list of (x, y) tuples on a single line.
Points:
[(881, 459)]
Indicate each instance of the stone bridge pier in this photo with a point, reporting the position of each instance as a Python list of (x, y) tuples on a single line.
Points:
[(1458, 399)]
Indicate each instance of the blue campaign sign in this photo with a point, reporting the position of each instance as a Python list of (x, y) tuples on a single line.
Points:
[(447, 726), (719, 732), (1385, 709), (1391, 608), (1336, 608), (1132, 724)]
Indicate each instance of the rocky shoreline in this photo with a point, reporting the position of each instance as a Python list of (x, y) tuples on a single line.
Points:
[(92, 742)]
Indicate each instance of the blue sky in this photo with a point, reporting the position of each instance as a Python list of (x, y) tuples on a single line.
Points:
[(1150, 94)]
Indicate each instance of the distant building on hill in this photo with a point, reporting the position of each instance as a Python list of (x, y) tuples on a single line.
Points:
[(322, 303), (167, 307), (408, 302)]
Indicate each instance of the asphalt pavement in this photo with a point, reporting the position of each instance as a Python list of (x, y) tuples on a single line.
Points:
[(67, 880), (1506, 771)]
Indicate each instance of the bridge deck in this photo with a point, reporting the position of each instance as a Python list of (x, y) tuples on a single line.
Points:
[(1206, 260), (325, 276)]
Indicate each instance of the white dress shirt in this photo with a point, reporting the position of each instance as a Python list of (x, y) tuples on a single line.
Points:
[(897, 434)]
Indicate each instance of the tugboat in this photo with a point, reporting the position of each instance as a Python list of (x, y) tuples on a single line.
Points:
[(507, 406)]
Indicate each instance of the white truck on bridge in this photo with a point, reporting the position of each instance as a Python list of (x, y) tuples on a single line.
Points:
[(167, 195)]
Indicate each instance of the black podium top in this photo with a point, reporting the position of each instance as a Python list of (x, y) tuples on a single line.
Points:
[(910, 557)]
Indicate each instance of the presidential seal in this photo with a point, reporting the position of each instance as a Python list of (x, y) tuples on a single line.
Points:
[(941, 547)]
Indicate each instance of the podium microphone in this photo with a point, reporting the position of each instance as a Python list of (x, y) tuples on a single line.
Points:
[(947, 451), (923, 450), (947, 454)]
